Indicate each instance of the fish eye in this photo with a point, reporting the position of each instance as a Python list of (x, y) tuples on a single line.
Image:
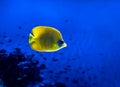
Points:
[(60, 43)]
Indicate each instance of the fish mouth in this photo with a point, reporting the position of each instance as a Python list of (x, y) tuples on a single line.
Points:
[(64, 45)]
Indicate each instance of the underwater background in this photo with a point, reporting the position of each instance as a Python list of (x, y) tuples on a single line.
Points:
[(91, 30)]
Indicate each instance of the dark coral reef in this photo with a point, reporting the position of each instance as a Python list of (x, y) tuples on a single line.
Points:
[(20, 70)]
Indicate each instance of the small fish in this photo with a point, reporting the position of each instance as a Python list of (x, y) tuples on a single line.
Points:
[(46, 39)]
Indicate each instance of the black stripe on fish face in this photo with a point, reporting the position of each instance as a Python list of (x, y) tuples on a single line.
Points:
[(60, 43)]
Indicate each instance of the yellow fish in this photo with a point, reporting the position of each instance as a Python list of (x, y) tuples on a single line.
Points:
[(46, 39)]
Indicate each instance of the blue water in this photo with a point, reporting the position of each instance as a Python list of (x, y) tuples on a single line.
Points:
[(91, 30)]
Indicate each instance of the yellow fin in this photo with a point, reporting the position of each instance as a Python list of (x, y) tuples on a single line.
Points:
[(35, 46), (37, 31), (31, 38)]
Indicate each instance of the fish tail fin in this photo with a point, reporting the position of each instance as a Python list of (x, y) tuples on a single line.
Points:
[(33, 43), (31, 39)]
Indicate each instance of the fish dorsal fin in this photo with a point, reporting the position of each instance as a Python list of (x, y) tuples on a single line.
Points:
[(37, 31)]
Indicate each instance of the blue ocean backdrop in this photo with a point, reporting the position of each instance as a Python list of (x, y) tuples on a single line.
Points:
[(91, 29)]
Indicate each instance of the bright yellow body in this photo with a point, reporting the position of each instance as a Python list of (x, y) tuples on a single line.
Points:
[(45, 39)]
